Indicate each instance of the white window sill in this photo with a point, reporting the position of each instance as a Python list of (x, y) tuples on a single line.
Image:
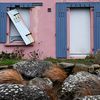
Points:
[(17, 44)]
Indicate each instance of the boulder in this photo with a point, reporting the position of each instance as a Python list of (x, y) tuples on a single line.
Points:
[(31, 69), (42, 83), (80, 84), (68, 67), (80, 67), (21, 92), (94, 67), (94, 97)]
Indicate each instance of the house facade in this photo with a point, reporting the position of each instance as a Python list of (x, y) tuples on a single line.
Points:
[(59, 28)]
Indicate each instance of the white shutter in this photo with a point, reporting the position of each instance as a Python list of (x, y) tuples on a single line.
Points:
[(20, 26)]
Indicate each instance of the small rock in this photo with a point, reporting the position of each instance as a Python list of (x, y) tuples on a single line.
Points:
[(68, 67), (94, 67), (80, 67), (97, 72)]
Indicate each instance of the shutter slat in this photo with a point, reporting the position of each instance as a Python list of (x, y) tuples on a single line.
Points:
[(96, 28), (3, 21)]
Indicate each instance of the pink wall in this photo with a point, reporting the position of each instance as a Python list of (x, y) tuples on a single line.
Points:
[(43, 29), (77, 0)]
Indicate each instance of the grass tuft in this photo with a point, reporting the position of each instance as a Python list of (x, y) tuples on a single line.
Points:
[(82, 61), (8, 62)]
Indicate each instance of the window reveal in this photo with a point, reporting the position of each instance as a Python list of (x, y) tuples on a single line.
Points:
[(18, 30)]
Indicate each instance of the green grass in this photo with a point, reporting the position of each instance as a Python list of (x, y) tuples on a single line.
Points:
[(53, 60), (8, 61), (83, 61)]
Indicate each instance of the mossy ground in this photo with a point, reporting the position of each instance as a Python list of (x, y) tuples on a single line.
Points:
[(87, 61), (83, 61)]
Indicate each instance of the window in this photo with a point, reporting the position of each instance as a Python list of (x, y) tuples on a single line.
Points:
[(5, 24), (14, 36)]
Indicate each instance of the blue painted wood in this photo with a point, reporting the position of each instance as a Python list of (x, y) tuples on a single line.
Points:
[(3, 20), (61, 45), (0, 26), (96, 28), (28, 5), (61, 25)]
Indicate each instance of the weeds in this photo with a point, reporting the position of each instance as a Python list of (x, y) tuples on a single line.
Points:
[(82, 61), (16, 54), (35, 55)]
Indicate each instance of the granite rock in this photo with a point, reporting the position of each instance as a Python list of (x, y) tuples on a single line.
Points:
[(80, 67), (80, 84), (94, 67), (32, 69), (94, 97), (21, 92), (41, 83)]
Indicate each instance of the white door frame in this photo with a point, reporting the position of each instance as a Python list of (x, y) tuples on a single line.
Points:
[(91, 34)]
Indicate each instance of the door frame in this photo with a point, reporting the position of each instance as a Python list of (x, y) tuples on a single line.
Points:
[(61, 25)]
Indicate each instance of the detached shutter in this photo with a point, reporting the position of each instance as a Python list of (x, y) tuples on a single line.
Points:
[(3, 21), (20, 26), (61, 35)]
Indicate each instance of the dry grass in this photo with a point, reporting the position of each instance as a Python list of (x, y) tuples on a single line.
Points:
[(91, 87), (55, 73), (10, 76), (51, 93)]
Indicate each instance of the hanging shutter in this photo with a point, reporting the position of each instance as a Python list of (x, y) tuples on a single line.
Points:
[(61, 35), (3, 24), (96, 28), (20, 26)]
